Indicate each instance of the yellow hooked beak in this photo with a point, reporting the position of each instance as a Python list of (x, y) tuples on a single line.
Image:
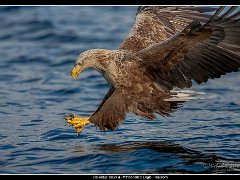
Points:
[(76, 71)]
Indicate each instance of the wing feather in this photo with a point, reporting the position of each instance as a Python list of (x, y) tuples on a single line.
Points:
[(157, 23), (199, 52)]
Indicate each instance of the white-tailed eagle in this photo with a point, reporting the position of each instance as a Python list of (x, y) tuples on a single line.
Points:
[(167, 48)]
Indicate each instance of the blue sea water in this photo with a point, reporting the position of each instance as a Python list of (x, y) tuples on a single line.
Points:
[(38, 48)]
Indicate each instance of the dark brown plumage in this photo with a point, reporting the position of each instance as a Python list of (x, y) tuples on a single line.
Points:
[(167, 48)]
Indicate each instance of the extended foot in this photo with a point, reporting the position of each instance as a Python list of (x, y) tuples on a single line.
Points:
[(77, 122)]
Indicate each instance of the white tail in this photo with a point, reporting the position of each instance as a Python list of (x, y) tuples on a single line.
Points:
[(185, 95)]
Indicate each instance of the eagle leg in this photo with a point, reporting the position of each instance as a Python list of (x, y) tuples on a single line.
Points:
[(77, 122)]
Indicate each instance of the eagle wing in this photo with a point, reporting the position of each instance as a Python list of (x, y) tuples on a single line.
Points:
[(199, 52), (154, 24)]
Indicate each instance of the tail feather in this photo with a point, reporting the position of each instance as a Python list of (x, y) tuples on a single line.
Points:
[(185, 95)]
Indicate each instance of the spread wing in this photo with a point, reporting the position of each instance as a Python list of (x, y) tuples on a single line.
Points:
[(157, 23), (199, 52)]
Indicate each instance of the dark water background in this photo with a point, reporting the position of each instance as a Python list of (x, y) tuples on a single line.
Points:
[(38, 47)]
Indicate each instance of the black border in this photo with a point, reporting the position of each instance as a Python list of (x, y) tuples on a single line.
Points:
[(126, 2), (117, 2), (133, 176)]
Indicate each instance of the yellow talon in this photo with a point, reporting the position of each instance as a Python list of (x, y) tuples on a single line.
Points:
[(77, 122), (78, 130)]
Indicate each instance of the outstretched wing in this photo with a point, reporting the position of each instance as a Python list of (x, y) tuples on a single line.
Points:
[(111, 112), (157, 23), (198, 53)]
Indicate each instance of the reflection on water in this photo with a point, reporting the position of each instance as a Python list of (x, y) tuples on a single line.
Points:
[(38, 46), (207, 162)]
